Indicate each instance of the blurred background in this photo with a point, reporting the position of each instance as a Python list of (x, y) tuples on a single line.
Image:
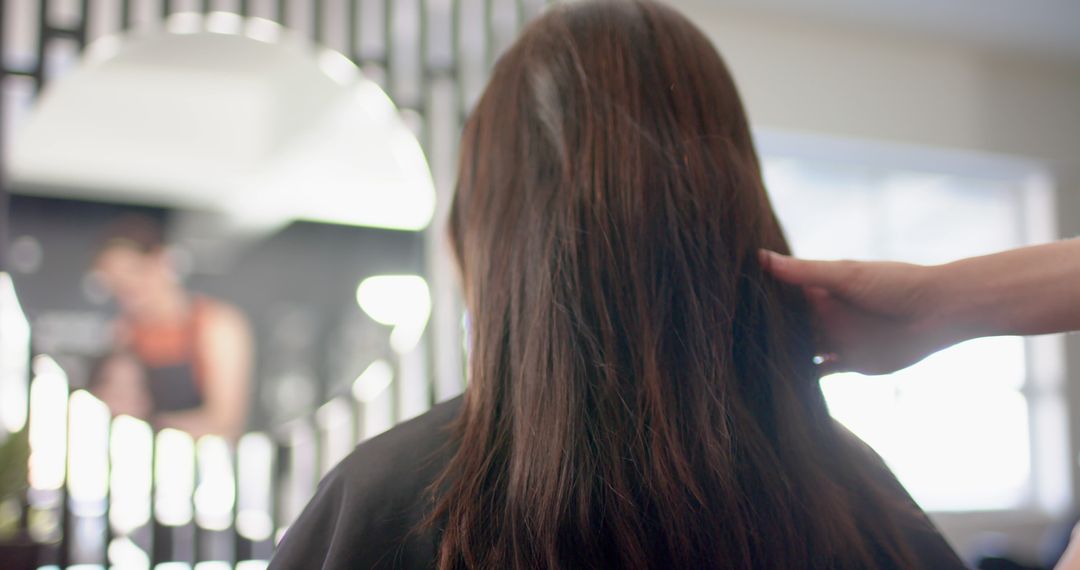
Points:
[(222, 261)]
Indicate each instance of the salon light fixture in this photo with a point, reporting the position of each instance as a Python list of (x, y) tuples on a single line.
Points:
[(254, 468), (215, 494), (399, 301), (48, 424), (174, 477), (373, 381), (88, 466), (131, 452), (15, 355), (124, 553)]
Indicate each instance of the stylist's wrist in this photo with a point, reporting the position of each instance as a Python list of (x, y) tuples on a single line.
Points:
[(953, 313)]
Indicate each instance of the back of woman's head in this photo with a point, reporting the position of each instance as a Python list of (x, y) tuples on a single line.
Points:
[(641, 394)]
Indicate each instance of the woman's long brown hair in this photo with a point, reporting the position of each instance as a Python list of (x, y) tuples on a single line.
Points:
[(641, 394)]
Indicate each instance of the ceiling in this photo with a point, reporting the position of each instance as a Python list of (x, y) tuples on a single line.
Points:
[(262, 131), (1034, 28)]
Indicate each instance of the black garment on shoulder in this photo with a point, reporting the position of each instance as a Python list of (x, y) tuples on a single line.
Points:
[(366, 512)]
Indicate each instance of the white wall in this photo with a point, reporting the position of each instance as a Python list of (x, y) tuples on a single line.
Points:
[(825, 78)]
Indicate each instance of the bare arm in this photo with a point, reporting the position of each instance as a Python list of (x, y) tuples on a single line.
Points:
[(878, 317), (1027, 291), (226, 350)]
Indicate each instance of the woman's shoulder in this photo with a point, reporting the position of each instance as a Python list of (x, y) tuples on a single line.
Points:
[(367, 511), (210, 312), (403, 456)]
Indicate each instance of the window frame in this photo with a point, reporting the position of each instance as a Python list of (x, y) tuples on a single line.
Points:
[(1050, 490)]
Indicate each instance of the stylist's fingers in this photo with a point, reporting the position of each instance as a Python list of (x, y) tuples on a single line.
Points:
[(831, 275)]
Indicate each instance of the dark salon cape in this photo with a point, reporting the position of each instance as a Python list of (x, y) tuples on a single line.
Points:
[(366, 511)]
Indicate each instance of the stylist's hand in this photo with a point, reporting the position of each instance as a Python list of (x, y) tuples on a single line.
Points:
[(873, 317)]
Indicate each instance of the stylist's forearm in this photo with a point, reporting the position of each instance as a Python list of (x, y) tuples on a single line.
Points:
[(1027, 291)]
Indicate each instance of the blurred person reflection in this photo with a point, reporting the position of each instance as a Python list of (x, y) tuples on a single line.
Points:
[(179, 360)]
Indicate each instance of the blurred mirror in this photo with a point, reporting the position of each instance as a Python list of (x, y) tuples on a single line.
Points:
[(196, 209)]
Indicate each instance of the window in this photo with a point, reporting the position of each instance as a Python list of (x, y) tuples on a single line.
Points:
[(958, 429)]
